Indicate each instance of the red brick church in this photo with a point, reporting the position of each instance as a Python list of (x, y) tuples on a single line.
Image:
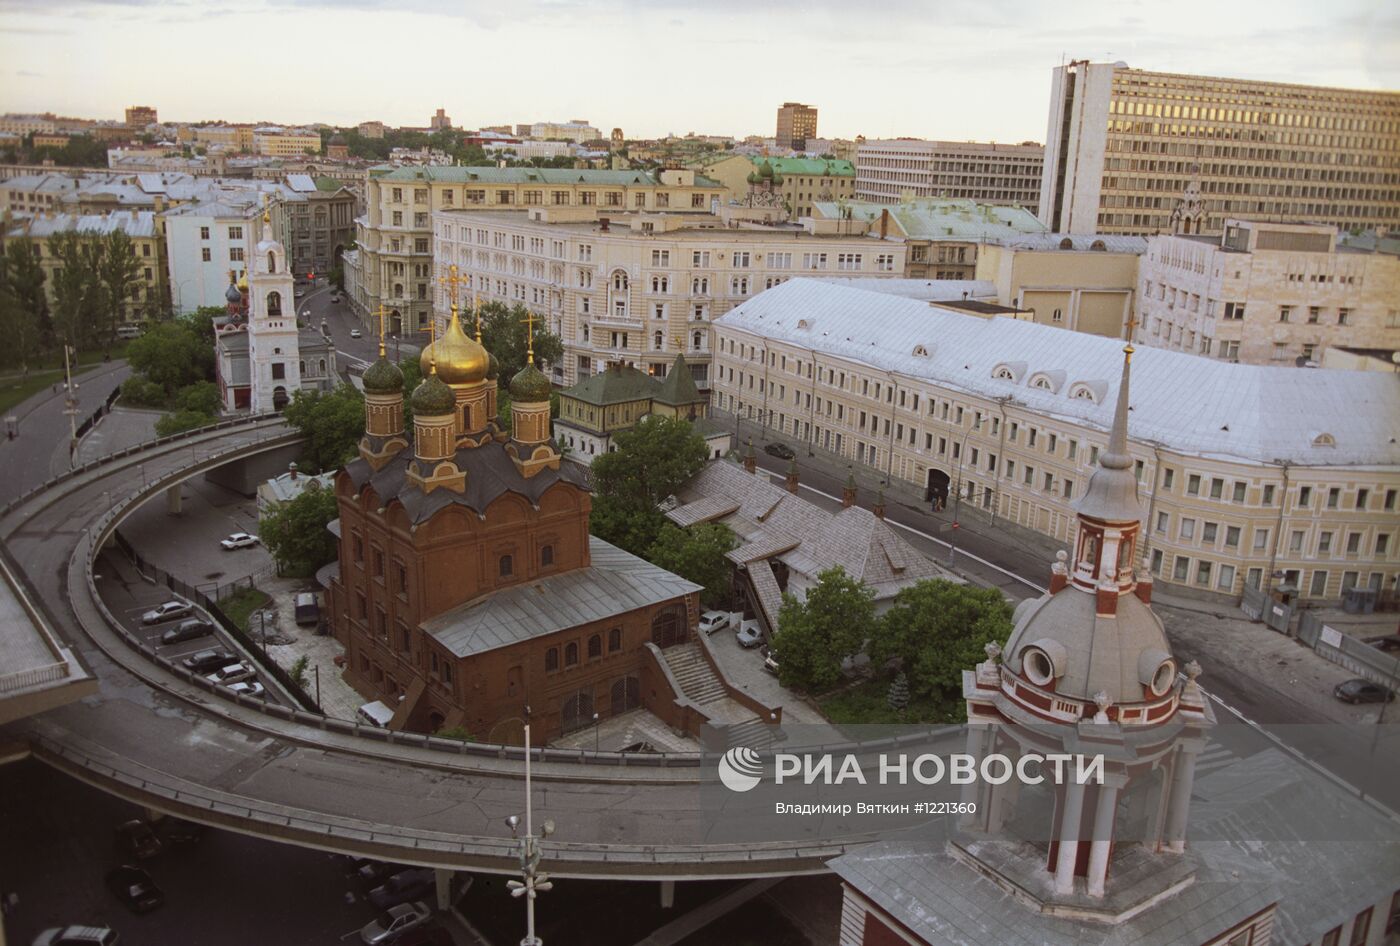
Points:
[(468, 590)]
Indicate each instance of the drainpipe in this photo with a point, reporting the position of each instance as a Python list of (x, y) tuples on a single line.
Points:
[(1001, 457), (889, 446), (1152, 500), (812, 403), (1278, 531)]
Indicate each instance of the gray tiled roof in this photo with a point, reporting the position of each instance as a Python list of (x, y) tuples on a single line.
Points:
[(615, 583)]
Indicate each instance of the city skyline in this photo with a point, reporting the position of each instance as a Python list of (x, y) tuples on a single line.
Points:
[(76, 58)]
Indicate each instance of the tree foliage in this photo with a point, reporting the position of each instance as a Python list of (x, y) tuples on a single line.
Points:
[(697, 554), (23, 305), (651, 462), (503, 332), (816, 635), (332, 424), (77, 291), (173, 355), (116, 270), (182, 420), (937, 629), (295, 531)]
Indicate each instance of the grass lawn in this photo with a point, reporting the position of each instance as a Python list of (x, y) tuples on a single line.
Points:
[(865, 702), (242, 603)]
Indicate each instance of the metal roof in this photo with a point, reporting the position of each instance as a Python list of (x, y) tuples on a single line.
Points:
[(615, 583), (929, 218), (457, 174), (1078, 242)]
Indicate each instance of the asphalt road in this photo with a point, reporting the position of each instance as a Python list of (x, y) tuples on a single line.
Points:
[(41, 449), (354, 354)]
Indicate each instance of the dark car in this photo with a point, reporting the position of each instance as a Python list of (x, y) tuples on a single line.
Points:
[(1390, 643), (137, 839), (193, 629), (780, 450), (208, 660), (412, 884), (373, 873), (135, 888), (1362, 691)]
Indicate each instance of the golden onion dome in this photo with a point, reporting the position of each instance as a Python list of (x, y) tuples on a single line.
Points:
[(243, 281), (460, 359)]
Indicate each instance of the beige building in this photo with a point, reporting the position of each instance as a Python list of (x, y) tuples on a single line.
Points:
[(228, 137), (1124, 145), (393, 260), (1267, 293), (45, 124), (799, 182), (892, 170), (139, 116), (576, 130), (796, 123), (278, 143), (1082, 283), (629, 288), (1245, 471), (370, 129)]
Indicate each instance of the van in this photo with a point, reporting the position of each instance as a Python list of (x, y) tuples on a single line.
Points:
[(128, 331), (375, 714), (78, 936), (308, 610)]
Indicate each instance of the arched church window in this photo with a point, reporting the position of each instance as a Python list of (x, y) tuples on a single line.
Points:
[(595, 646), (274, 303), (571, 654), (551, 660), (272, 262), (507, 566)]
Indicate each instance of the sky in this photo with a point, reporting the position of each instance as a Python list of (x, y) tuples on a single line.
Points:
[(950, 69)]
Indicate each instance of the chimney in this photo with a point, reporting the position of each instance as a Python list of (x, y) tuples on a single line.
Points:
[(792, 477), (750, 461), (879, 509), (884, 222), (848, 495)]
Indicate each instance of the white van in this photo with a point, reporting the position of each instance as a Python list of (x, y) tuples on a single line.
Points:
[(375, 714), (128, 331)]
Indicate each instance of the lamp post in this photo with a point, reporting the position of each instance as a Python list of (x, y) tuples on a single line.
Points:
[(957, 493), (532, 880), (595, 732), (70, 400)]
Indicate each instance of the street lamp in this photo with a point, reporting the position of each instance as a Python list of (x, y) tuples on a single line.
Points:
[(533, 881), (595, 732), (957, 493)]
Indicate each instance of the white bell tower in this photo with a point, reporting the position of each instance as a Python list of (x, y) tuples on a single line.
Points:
[(273, 359)]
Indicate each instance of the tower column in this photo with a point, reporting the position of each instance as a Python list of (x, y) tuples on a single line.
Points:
[(1068, 852), (1102, 842), (1179, 803), (972, 791)]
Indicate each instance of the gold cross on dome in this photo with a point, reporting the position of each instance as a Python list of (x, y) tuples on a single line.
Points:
[(1131, 324), (452, 281), (1128, 349), (529, 322)]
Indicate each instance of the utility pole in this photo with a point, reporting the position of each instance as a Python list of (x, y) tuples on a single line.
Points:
[(533, 881)]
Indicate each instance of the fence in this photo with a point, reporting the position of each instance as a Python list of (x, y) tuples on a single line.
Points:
[(1346, 651), (102, 411), (191, 593), (1258, 606)]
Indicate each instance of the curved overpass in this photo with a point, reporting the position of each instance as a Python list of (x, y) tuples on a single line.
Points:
[(154, 737)]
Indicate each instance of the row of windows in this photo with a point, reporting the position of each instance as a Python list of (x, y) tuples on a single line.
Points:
[(571, 650)]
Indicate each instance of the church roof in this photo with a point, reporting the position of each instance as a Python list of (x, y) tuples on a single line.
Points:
[(615, 582), (679, 386), (616, 385), (1199, 406)]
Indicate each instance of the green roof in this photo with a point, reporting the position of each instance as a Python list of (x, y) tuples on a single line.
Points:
[(814, 167), (456, 174), (433, 398), (383, 377), (930, 218), (614, 386), (328, 184), (679, 386)]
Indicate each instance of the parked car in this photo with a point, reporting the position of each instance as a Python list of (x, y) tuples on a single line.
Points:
[(394, 922), (780, 450), (770, 663), (749, 634), (371, 873), (1390, 643), (249, 688), (354, 333), (78, 936), (239, 540), (137, 839), (233, 673), (308, 609), (300, 291), (207, 660), (189, 630), (406, 885), (135, 888), (1358, 690), (169, 611), (335, 297), (712, 621)]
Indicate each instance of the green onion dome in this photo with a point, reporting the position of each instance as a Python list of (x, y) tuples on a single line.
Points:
[(383, 377), (530, 385), (433, 398)]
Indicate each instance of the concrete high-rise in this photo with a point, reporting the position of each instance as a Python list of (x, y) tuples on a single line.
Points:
[(1124, 146), (990, 173), (796, 123)]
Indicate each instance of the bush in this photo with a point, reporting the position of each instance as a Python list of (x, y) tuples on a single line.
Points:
[(181, 421), (202, 397), (139, 392), (298, 671)]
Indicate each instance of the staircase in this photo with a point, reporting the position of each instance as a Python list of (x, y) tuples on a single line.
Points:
[(696, 678), (754, 733)]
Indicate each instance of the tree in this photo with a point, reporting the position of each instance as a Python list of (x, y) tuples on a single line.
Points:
[(295, 531), (23, 307), (172, 355), (937, 628), (182, 420), (817, 634), (202, 396), (78, 294), (332, 424), (503, 332), (651, 462), (697, 554), (117, 270)]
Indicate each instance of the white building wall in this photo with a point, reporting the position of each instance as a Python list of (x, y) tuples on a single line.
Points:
[(195, 282)]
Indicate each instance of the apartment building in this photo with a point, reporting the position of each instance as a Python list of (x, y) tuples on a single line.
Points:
[(638, 287), (1124, 145), (282, 143), (1267, 293), (1246, 471), (139, 116), (891, 170), (320, 225), (392, 263), (943, 236), (21, 125), (149, 295), (228, 137), (1081, 283), (370, 129), (796, 123), (798, 182), (576, 130)]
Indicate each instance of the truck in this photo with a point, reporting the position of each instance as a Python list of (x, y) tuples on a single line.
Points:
[(308, 609)]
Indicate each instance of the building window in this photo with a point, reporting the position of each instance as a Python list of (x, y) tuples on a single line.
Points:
[(1181, 568), (614, 640), (551, 660), (547, 556), (507, 566), (206, 255), (595, 646), (571, 654), (1319, 584), (1361, 927)]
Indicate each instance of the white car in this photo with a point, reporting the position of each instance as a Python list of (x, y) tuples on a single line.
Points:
[(749, 634), (712, 621), (168, 611), (394, 922), (249, 688), (233, 673), (239, 540)]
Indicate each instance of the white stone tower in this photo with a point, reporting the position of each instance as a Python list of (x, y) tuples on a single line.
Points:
[(273, 359)]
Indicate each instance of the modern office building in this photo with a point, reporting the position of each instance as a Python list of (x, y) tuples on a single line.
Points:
[(1266, 293), (891, 170), (1124, 146), (1248, 471), (796, 123)]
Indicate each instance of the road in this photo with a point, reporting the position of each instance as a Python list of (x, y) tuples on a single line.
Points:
[(353, 354), (41, 449)]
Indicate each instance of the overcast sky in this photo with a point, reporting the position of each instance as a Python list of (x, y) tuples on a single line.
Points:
[(929, 68)]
